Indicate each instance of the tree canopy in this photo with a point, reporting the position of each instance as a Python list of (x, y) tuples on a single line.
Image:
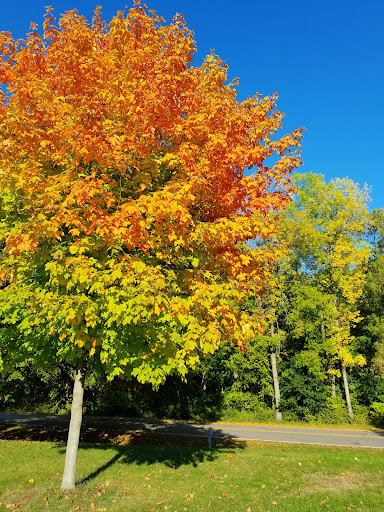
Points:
[(126, 204)]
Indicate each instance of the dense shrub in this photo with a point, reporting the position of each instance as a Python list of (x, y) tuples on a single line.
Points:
[(302, 395)]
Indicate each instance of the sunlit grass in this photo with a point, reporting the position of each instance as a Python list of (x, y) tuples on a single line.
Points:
[(244, 477)]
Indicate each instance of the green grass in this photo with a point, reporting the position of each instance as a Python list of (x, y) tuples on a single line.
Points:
[(253, 477)]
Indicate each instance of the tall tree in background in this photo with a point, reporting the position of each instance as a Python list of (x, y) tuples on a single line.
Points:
[(126, 211), (325, 229), (370, 332)]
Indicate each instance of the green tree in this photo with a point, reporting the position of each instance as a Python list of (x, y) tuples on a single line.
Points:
[(325, 228), (370, 331), (251, 386)]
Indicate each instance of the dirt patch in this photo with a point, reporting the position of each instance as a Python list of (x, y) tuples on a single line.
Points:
[(334, 483), (16, 500)]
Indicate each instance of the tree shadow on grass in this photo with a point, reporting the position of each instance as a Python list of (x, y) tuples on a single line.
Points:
[(33, 433), (139, 448), (172, 451)]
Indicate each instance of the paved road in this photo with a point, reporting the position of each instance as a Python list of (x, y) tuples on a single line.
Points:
[(357, 438)]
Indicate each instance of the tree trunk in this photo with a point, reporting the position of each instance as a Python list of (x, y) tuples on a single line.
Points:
[(69, 475), (333, 384), (276, 386), (346, 389), (344, 374)]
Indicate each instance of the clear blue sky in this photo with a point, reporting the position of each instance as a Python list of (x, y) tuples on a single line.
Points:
[(325, 58)]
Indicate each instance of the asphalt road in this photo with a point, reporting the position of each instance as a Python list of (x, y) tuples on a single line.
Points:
[(357, 438)]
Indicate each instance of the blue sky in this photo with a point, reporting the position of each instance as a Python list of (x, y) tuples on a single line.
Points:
[(325, 58)]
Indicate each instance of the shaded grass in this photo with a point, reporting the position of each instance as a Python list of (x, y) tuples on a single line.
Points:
[(144, 473)]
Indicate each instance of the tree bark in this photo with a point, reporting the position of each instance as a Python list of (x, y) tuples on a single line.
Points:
[(69, 475), (333, 384), (276, 385), (346, 390), (344, 374)]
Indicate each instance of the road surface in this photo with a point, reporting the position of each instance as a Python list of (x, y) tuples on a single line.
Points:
[(286, 434)]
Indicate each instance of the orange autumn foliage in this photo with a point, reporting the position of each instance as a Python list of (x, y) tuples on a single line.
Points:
[(129, 166)]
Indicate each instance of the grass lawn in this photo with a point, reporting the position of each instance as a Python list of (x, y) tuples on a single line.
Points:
[(153, 474)]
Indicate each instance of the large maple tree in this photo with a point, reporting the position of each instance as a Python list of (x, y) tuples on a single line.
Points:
[(126, 210)]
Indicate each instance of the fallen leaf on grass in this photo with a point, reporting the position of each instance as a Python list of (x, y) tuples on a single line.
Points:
[(342, 473), (57, 474), (274, 503), (92, 505), (229, 456), (12, 506)]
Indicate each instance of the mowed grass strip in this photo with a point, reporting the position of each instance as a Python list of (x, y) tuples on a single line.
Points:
[(164, 474)]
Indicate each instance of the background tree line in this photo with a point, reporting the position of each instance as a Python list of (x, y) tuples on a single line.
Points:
[(321, 355)]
